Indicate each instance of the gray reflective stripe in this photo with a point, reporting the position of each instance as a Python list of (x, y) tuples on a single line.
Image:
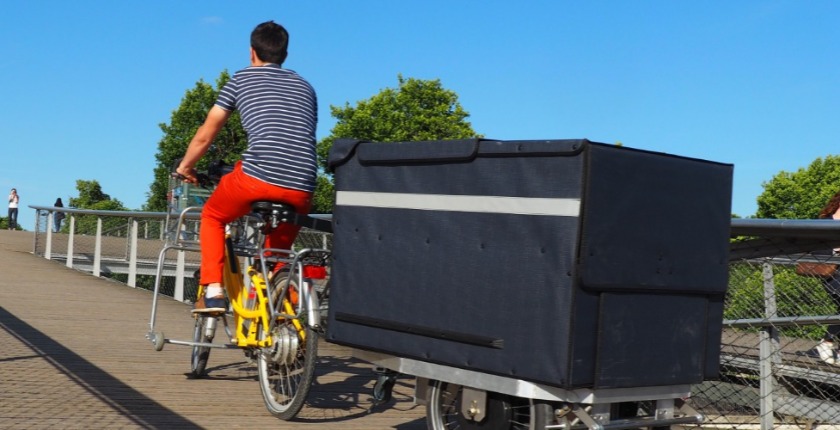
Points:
[(452, 203)]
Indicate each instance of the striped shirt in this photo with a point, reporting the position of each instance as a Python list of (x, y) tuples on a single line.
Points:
[(279, 112)]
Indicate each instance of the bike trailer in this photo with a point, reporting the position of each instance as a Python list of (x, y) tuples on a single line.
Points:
[(564, 262)]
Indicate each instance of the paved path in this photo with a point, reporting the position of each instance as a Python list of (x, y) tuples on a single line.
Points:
[(73, 354)]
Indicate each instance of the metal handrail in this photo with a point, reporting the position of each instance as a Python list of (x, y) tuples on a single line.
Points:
[(125, 214)]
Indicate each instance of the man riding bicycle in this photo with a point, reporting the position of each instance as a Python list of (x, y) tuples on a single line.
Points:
[(279, 114)]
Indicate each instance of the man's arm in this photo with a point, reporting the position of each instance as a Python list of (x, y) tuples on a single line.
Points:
[(199, 144)]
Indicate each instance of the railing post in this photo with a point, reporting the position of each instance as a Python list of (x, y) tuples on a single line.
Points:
[(48, 249), (70, 236), (768, 351), (127, 237), (132, 254), (178, 294), (97, 247), (37, 226)]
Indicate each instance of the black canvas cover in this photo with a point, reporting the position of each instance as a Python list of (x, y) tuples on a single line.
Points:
[(564, 262)]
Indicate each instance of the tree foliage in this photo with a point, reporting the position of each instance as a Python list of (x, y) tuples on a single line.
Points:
[(186, 119), (414, 111), (92, 197), (323, 199), (800, 194)]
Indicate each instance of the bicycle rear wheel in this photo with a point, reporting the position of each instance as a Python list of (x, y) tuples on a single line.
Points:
[(287, 368), (200, 354)]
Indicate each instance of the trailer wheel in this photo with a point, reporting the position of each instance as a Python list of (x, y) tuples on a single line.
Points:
[(503, 412)]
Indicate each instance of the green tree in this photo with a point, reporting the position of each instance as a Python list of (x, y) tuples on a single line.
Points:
[(92, 197), (416, 110), (323, 199), (186, 119), (800, 194)]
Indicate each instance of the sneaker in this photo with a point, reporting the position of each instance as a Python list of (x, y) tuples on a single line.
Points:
[(826, 352), (205, 305)]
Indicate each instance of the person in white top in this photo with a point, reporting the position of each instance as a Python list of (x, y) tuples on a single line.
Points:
[(14, 201)]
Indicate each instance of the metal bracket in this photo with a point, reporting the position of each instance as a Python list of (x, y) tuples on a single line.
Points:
[(473, 404)]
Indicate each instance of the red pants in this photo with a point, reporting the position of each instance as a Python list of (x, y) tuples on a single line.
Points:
[(230, 200)]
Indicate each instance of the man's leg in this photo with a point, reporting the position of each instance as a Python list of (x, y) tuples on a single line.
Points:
[(228, 202)]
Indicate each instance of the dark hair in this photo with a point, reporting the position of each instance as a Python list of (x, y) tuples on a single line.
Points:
[(270, 41), (830, 207), (58, 203)]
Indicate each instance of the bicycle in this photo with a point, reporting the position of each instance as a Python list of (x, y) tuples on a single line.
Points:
[(279, 314)]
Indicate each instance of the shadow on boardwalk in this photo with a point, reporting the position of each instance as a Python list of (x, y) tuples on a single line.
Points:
[(110, 391), (74, 356)]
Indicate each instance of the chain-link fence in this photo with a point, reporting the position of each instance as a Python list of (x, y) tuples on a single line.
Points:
[(779, 367)]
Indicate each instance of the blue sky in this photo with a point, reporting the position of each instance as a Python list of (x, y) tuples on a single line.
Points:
[(752, 83)]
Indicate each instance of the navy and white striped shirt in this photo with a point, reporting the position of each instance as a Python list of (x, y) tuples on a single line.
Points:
[(279, 112)]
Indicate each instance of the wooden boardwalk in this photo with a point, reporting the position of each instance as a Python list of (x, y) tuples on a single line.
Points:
[(73, 354)]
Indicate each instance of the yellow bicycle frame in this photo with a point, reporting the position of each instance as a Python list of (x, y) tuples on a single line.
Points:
[(248, 318)]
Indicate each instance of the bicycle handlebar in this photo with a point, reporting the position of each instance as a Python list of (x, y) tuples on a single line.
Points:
[(208, 180)]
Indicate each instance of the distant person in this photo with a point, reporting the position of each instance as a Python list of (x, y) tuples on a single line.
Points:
[(279, 113), (14, 201), (58, 216), (827, 349)]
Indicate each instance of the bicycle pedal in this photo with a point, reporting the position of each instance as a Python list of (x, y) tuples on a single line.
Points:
[(210, 312)]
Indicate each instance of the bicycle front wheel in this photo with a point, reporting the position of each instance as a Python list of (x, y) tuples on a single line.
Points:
[(286, 369), (200, 354)]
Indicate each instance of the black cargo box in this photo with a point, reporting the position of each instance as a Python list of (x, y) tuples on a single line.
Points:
[(564, 262)]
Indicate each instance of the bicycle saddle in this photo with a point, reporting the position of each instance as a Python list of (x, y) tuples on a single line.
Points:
[(286, 213), (266, 206)]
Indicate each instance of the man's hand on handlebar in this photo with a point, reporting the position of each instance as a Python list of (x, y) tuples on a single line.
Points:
[(208, 180), (187, 175)]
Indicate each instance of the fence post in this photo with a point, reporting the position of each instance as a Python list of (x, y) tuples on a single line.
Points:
[(178, 294), (70, 236), (48, 249), (768, 348), (132, 253), (97, 248), (127, 237), (37, 226)]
